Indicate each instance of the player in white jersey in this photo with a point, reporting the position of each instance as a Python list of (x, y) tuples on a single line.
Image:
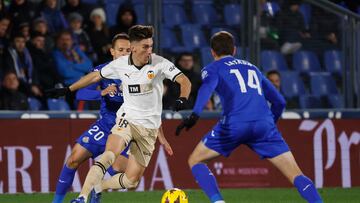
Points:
[(139, 118)]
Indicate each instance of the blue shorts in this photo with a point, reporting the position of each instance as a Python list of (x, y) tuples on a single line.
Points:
[(94, 140), (262, 136)]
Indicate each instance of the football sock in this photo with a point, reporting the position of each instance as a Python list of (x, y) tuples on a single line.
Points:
[(118, 181), (97, 172), (307, 189), (206, 180), (111, 171), (64, 183)]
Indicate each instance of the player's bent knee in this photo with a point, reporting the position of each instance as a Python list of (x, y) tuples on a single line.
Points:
[(72, 162), (192, 161), (127, 183), (107, 158)]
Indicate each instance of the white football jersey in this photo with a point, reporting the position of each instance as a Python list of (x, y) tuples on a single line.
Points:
[(142, 88)]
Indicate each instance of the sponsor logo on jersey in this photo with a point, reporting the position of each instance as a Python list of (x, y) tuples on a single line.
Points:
[(127, 75), (134, 88), (150, 74), (171, 68)]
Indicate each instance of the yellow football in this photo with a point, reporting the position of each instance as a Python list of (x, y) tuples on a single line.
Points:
[(174, 195)]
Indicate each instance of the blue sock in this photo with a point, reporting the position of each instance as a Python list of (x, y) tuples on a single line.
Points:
[(64, 183), (111, 171), (206, 180), (307, 189)]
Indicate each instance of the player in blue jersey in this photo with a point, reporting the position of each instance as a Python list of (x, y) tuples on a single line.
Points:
[(246, 119), (92, 142)]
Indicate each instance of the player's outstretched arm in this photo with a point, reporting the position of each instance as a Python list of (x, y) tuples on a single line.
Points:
[(88, 79), (185, 89), (164, 142)]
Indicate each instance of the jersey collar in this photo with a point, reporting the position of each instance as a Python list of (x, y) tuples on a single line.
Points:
[(131, 62)]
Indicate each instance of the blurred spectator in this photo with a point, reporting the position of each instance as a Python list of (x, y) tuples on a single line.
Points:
[(269, 35), (53, 16), (2, 8), (44, 63), (24, 29), (80, 7), (80, 37), (18, 60), (125, 18), (291, 25), (4, 39), (21, 11), (71, 62), (40, 26), (274, 77), (99, 35), (10, 96), (185, 62)]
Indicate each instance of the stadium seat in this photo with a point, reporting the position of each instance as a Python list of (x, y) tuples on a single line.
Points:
[(291, 84), (204, 14), (335, 101), (134, 2), (272, 60), (271, 8), (173, 2), (240, 55), (174, 15), (232, 14), (93, 2), (34, 104), (322, 84), (167, 38), (309, 102), (306, 61), (305, 10), (192, 36), (202, 1), (206, 56), (332, 61), (140, 13), (358, 10), (111, 9), (57, 105)]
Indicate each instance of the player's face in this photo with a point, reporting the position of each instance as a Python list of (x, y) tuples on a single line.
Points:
[(275, 80), (121, 48), (142, 50)]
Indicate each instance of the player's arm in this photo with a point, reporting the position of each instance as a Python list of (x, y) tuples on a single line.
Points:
[(210, 81), (277, 101), (185, 85), (89, 93), (164, 142)]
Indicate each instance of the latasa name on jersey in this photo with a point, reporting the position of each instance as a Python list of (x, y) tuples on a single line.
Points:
[(237, 62)]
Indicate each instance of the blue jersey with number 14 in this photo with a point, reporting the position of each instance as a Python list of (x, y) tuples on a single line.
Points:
[(242, 89)]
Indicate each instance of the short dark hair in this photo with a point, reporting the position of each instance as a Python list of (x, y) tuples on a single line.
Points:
[(222, 43), (117, 37), (140, 32), (17, 35), (271, 72)]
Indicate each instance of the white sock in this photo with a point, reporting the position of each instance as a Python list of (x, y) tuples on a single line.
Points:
[(98, 188), (85, 198)]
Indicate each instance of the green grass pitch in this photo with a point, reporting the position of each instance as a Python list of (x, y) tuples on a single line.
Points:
[(330, 195)]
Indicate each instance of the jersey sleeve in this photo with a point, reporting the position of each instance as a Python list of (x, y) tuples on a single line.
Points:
[(170, 71), (210, 80), (277, 101), (90, 92), (109, 71)]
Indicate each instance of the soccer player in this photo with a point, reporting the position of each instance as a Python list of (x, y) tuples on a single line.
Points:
[(92, 142), (139, 118), (246, 119)]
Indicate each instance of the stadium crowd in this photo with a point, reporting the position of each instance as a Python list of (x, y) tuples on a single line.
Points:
[(51, 43)]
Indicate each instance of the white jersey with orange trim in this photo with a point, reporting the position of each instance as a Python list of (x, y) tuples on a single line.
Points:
[(142, 88)]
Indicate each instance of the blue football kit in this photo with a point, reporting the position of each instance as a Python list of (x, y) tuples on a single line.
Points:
[(246, 118)]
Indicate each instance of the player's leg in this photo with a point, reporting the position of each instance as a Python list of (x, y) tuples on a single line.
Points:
[(114, 145), (78, 155), (287, 165), (202, 174), (119, 165)]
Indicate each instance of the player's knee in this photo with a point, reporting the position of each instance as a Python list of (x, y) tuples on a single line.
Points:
[(192, 161), (130, 183), (72, 162), (107, 158)]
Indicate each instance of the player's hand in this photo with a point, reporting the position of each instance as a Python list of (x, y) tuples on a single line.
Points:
[(187, 123), (168, 148), (57, 92), (111, 90), (180, 104)]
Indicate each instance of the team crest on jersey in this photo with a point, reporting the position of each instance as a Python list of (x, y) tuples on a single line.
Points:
[(85, 139), (150, 74)]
